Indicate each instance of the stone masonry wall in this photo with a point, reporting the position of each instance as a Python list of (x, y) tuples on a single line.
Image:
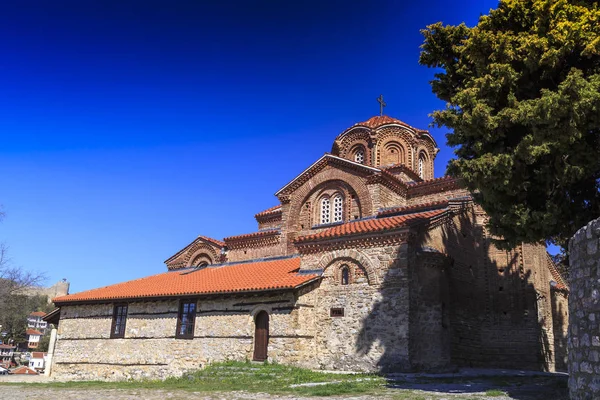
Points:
[(501, 312), (373, 333), (584, 313), (224, 330)]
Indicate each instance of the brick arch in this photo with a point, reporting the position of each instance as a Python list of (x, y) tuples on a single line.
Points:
[(197, 249), (301, 195), (394, 134), (428, 172), (354, 255)]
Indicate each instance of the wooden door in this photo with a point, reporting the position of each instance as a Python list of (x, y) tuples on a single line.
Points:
[(261, 336)]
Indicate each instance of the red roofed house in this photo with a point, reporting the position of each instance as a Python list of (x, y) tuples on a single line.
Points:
[(367, 263), (33, 338)]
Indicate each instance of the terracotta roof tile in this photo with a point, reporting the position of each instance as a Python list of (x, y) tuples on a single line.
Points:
[(213, 241), (412, 209), (37, 314), (37, 354), (226, 278), (32, 332), (266, 232), (24, 371), (556, 276), (377, 121), (268, 211), (371, 225)]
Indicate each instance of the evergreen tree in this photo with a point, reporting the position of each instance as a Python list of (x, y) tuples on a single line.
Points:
[(522, 90)]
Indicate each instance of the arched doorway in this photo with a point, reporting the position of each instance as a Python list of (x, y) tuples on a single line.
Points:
[(261, 336)]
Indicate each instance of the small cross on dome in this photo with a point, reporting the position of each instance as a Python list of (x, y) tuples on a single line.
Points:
[(381, 104)]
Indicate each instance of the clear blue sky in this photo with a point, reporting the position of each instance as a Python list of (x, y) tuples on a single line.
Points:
[(129, 128)]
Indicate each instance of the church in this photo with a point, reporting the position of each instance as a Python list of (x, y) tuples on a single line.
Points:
[(366, 262)]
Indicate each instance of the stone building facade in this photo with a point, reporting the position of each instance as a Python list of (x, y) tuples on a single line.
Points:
[(584, 308), (367, 263)]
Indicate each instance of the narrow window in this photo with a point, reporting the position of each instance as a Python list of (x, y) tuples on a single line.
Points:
[(338, 208), (421, 167), (118, 323), (359, 156), (186, 319), (345, 275), (336, 312), (325, 210)]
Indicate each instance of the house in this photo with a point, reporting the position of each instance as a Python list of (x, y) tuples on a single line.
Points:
[(6, 355), (366, 263), (33, 338), (35, 321), (23, 370), (37, 360)]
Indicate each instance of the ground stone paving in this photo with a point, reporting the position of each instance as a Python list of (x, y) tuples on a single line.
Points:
[(29, 391)]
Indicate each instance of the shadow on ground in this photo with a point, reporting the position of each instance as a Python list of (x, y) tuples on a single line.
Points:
[(523, 386)]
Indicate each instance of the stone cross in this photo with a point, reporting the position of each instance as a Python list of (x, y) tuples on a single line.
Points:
[(381, 104)]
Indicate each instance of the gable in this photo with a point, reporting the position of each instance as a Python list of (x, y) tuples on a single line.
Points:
[(202, 250)]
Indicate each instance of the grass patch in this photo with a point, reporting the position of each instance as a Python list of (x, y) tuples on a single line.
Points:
[(494, 393), (249, 377)]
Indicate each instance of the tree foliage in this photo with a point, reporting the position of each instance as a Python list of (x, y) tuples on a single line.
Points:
[(16, 301), (522, 90)]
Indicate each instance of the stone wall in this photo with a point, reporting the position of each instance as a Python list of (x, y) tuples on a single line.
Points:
[(501, 309), (584, 313), (224, 330)]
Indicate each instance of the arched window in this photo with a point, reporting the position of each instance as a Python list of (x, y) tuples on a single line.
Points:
[(359, 156), (325, 210), (421, 166), (345, 275), (338, 208)]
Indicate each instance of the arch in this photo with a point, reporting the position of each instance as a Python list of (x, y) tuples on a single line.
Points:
[(358, 154), (352, 255), (196, 250), (261, 336), (355, 184), (393, 153), (199, 258), (390, 138), (423, 164)]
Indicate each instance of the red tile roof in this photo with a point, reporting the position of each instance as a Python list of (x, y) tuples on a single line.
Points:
[(371, 225), (37, 314), (556, 276), (266, 232), (414, 208), (213, 241), (256, 276), (377, 121), (268, 211), (24, 371), (37, 354), (33, 332)]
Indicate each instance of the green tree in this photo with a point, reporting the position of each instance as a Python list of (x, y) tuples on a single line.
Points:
[(522, 93)]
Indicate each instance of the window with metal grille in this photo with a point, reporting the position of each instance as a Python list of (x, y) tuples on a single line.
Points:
[(359, 156), (421, 165), (338, 208), (186, 319), (117, 329), (336, 312), (325, 210)]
